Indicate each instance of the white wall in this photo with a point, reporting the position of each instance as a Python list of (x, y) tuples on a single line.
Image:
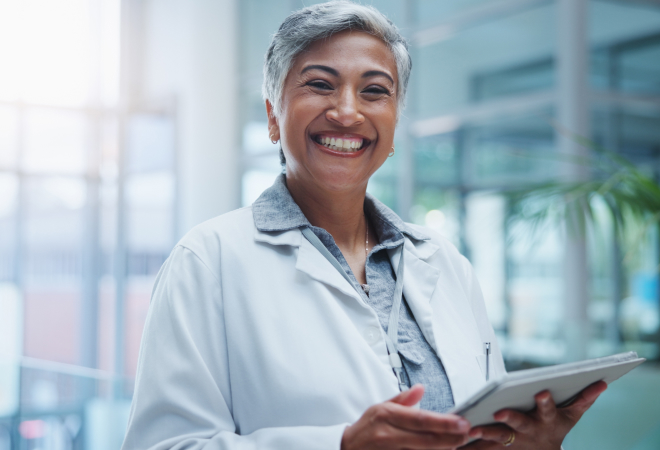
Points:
[(190, 57)]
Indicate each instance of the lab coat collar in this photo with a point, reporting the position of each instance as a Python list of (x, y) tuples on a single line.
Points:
[(275, 210), (420, 277), (290, 237)]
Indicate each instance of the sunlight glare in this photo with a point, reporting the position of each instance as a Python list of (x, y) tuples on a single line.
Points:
[(49, 51)]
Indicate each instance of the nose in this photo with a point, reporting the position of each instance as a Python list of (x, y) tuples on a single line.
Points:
[(346, 110)]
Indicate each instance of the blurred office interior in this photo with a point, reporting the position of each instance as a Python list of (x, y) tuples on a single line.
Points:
[(124, 123)]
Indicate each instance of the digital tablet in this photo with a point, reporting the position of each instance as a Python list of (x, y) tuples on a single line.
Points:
[(516, 390)]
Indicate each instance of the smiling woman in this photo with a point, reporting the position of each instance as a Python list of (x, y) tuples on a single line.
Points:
[(338, 114), (289, 324)]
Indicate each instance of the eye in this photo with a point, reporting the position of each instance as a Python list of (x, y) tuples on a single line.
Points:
[(376, 90), (320, 84)]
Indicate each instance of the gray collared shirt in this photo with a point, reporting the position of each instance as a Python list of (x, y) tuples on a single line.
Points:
[(275, 210)]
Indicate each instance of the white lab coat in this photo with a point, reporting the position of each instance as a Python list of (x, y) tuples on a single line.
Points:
[(254, 341)]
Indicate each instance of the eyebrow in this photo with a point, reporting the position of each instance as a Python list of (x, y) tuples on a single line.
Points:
[(374, 73), (330, 70)]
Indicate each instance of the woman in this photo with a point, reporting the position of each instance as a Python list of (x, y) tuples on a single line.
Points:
[(283, 325)]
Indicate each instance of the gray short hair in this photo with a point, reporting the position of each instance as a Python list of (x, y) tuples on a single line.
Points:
[(320, 21)]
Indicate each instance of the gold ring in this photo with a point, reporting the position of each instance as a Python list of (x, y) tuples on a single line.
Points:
[(512, 438)]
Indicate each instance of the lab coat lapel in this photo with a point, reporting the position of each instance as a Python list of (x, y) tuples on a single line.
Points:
[(443, 316), (419, 282), (310, 261), (314, 264), (457, 339)]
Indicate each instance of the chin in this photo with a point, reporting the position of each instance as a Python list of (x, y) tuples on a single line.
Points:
[(341, 179)]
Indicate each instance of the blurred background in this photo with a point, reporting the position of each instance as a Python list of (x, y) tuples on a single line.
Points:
[(124, 123)]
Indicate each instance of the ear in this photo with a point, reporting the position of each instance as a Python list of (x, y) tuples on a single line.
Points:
[(273, 126)]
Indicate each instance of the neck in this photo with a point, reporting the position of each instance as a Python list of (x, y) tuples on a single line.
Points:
[(340, 213)]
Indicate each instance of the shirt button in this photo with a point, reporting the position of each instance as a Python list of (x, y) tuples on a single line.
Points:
[(371, 335)]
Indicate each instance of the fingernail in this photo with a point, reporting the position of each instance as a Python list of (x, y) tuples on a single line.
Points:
[(501, 416), (545, 400), (463, 425)]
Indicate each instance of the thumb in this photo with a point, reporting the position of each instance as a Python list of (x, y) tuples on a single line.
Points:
[(410, 397)]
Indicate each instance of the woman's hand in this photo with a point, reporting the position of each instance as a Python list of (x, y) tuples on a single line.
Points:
[(543, 428), (395, 425)]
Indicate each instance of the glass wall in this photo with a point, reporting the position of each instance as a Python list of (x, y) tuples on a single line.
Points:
[(87, 210)]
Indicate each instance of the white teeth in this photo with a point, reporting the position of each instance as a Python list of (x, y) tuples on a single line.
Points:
[(339, 144)]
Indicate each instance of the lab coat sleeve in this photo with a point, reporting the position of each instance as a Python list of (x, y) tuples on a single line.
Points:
[(183, 388), (481, 316)]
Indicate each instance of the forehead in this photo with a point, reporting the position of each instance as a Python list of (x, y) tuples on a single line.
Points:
[(349, 51)]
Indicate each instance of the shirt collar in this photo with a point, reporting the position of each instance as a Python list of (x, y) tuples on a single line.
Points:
[(275, 210)]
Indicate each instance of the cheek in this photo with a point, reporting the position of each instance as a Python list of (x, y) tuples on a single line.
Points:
[(290, 129), (385, 112), (298, 116), (386, 125)]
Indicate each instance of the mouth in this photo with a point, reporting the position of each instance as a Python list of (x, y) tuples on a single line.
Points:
[(342, 143)]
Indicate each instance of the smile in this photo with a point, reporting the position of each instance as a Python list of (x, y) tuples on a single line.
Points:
[(342, 144)]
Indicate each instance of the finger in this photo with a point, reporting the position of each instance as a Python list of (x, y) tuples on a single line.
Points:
[(585, 399), (516, 420), (419, 420), (410, 397), (495, 433), (481, 445), (546, 410), (392, 437)]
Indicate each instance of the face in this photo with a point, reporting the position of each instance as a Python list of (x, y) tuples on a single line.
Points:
[(338, 111)]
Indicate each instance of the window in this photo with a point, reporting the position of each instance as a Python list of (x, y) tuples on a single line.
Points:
[(86, 220)]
